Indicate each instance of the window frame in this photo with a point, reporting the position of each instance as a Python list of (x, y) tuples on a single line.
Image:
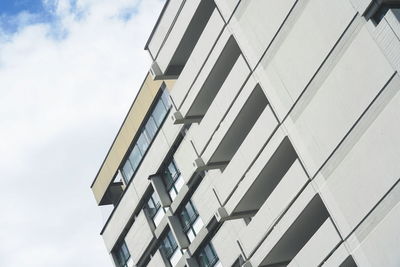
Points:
[(189, 227), (209, 262), (173, 245), (171, 186), (119, 255)]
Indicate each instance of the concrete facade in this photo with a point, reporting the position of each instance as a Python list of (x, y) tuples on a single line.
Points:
[(275, 139)]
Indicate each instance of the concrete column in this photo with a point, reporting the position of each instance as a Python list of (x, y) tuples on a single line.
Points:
[(177, 231), (159, 187)]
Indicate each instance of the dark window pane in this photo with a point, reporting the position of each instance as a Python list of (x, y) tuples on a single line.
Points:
[(207, 256), (135, 157), (190, 210), (151, 128), (127, 171), (121, 254), (173, 170), (159, 113), (168, 180), (153, 204), (165, 98), (169, 245), (143, 142)]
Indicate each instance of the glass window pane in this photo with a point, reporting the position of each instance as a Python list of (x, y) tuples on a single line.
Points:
[(135, 157), (168, 245), (159, 113), (127, 171), (173, 170), (151, 128), (171, 238), (185, 220), (168, 180), (143, 142), (190, 211), (209, 253), (165, 98), (125, 252)]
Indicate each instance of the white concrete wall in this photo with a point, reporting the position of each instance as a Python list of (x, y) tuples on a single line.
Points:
[(345, 94), (224, 241), (255, 24), (139, 237)]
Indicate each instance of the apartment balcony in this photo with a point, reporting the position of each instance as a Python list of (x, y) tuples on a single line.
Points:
[(229, 133), (225, 243), (291, 232), (240, 155), (279, 196), (321, 244), (204, 198), (209, 81), (197, 59), (176, 34), (139, 237), (221, 104)]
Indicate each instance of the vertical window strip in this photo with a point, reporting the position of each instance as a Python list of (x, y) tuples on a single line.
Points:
[(146, 136)]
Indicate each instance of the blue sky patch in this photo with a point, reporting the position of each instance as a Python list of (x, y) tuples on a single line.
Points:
[(15, 14)]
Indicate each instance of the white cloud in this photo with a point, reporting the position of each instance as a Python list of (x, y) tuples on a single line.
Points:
[(65, 87)]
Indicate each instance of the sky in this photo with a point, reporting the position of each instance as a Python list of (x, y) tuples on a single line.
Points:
[(69, 70)]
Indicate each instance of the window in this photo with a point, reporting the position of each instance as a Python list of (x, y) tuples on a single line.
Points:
[(149, 131), (190, 220), (207, 257), (172, 179), (135, 157), (170, 249), (156, 212), (121, 255)]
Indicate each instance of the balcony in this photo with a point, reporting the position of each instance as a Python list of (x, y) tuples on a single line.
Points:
[(204, 198), (292, 231), (241, 157), (198, 58), (221, 104), (321, 244), (236, 125), (210, 79), (277, 202), (170, 49)]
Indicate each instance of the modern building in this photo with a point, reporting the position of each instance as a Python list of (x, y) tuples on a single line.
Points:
[(267, 133)]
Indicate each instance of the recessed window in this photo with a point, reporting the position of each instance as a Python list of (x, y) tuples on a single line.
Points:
[(190, 220), (155, 211), (170, 249), (172, 179), (207, 257), (121, 255)]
